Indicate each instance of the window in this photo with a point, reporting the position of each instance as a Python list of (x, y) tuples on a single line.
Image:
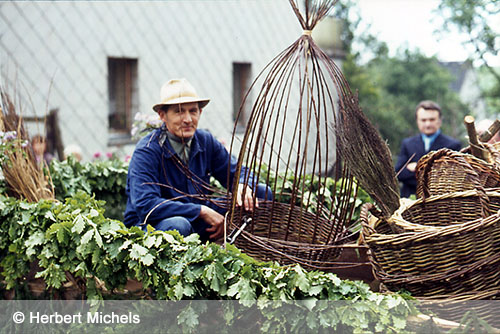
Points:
[(123, 97), (242, 73)]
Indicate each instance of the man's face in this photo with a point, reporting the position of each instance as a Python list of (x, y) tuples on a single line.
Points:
[(39, 147), (428, 121), (181, 119)]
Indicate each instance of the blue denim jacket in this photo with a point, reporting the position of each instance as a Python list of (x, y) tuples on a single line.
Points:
[(157, 180)]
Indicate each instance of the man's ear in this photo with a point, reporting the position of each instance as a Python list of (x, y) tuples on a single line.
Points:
[(161, 113)]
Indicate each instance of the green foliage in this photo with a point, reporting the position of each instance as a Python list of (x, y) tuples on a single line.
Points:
[(404, 81), (476, 20), (491, 90), (389, 88), (74, 237), (311, 192), (105, 179), (10, 144)]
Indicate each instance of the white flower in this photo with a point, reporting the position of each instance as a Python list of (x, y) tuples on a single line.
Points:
[(10, 135), (134, 131), (143, 121), (138, 117)]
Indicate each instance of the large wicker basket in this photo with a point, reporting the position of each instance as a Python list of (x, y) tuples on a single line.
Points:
[(446, 171), (444, 210), (435, 260), (486, 305), (275, 234)]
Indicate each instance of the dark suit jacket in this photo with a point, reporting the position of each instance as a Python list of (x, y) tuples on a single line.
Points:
[(416, 145)]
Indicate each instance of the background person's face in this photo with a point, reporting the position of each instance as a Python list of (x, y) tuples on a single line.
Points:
[(428, 121), (39, 147), (182, 120)]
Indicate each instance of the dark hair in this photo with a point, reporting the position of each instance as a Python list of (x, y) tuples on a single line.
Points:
[(428, 105)]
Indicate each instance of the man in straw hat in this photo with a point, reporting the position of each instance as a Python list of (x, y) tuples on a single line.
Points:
[(171, 168), (429, 120)]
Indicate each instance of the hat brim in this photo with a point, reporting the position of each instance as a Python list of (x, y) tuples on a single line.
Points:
[(185, 99)]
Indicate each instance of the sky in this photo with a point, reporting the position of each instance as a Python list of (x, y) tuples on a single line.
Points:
[(412, 23)]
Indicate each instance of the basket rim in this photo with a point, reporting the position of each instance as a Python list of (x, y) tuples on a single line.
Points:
[(449, 153), (464, 296), (470, 165), (448, 273), (397, 217), (423, 232), (431, 232)]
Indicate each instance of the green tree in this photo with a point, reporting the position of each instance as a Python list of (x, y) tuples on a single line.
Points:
[(403, 81), (389, 88), (471, 17), (475, 19)]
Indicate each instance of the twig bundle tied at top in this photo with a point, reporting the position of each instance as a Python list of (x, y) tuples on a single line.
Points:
[(303, 130)]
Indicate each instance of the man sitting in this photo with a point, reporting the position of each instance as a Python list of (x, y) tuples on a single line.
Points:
[(171, 168)]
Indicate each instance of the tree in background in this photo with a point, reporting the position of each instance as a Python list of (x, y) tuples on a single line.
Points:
[(404, 81), (471, 18), (389, 88)]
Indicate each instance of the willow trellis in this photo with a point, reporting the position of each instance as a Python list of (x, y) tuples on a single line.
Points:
[(293, 143)]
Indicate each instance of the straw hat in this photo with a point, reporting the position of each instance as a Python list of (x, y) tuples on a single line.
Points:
[(178, 91)]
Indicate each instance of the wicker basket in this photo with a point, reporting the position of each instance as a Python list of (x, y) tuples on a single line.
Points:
[(436, 260), (444, 210), (288, 238), (492, 152), (486, 304), (446, 171)]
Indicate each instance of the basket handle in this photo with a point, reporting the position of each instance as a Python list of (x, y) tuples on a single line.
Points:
[(366, 209), (425, 164), (495, 154)]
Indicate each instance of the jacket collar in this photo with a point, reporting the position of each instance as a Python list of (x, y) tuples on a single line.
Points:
[(169, 150), (429, 139)]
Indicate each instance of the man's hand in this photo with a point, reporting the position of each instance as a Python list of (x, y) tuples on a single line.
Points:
[(215, 220), (411, 166), (244, 197)]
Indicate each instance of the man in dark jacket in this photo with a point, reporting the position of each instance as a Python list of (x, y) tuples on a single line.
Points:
[(428, 116), (171, 168)]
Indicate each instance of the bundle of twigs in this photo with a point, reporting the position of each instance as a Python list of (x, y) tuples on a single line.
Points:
[(367, 154), (25, 179)]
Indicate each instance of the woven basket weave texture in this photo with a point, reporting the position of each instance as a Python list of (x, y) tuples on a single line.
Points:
[(288, 236), (446, 171)]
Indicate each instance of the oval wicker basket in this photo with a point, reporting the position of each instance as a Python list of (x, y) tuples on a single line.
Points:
[(446, 171), (435, 260), (275, 234), (443, 210)]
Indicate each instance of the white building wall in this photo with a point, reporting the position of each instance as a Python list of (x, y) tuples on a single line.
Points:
[(470, 94), (62, 47)]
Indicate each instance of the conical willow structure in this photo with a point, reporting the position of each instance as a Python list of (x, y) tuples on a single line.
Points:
[(292, 143)]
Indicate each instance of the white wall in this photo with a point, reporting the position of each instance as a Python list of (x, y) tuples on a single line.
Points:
[(63, 47)]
